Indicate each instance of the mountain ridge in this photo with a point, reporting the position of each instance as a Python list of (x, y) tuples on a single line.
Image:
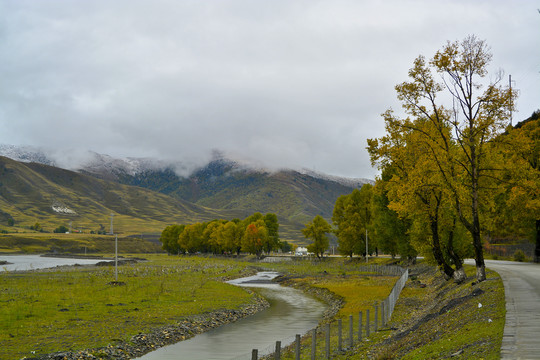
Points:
[(106, 165), (223, 188)]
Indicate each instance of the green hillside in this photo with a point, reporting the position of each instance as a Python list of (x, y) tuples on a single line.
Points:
[(295, 197), (33, 193)]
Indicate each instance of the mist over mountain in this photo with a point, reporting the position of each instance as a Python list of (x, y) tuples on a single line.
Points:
[(224, 185), (26, 154), (109, 167)]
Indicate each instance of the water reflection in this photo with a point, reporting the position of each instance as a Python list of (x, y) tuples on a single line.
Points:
[(291, 312), (32, 262)]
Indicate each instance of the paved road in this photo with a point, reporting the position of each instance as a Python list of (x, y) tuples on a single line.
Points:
[(521, 339)]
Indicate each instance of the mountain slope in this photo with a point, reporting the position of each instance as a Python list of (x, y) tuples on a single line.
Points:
[(224, 184), (230, 188), (31, 192)]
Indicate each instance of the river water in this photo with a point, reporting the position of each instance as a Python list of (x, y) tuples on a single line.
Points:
[(291, 312), (32, 262)]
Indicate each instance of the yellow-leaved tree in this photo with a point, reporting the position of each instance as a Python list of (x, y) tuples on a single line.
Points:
[(448, 143)]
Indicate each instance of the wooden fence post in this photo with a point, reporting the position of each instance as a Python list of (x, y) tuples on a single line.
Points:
[(383, 320), (327, 341), (360, 326), (376, 318), (350, 331), (367, 323), (339, 334), (277, 353), (254, 354), (297, 347)]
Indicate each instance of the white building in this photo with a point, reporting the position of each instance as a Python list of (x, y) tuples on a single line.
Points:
[(301, 251)]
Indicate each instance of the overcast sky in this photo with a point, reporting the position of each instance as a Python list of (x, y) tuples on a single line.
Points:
[(283, 83)]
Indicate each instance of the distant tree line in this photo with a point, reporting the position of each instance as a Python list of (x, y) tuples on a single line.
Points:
[(363, 224), (255, 234)]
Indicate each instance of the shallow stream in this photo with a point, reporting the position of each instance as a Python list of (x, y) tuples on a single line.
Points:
[(291, 312)]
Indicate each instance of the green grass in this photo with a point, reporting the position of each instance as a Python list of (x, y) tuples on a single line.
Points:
[(346, 279), (465, 331), (73, 243), (76, 308)]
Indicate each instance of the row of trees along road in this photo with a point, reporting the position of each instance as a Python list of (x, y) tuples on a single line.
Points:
[(452, 169), (452, 154), (254, 234)]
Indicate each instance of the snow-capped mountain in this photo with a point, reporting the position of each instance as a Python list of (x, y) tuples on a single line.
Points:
[(26, 154), (111, 168)]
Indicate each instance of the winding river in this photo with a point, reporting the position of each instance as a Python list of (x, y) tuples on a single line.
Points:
[(291, 312)]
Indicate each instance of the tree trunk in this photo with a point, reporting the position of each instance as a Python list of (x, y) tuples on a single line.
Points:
[(476, 236), (478, 251), (446, 269), (459, 273)]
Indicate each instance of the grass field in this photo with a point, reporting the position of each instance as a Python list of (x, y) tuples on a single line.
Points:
[(77, 308)]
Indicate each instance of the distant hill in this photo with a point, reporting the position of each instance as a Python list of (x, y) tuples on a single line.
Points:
[(224, 184), (222, 188), (31, 192)]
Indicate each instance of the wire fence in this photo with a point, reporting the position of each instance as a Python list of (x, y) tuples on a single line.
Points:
[(338, 336)]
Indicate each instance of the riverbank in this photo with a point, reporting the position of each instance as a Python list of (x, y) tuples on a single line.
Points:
[(334, 301), (141, 344), (82, 307)]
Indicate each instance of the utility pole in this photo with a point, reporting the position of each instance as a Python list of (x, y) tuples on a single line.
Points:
[(112, 216), (116, 258), (510, 84), (366, 247)]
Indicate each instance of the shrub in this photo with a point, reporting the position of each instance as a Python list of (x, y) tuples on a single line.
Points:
[(519, 255), (61, 229)]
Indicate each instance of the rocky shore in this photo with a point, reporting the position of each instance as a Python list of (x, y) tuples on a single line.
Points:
[(141, 344)]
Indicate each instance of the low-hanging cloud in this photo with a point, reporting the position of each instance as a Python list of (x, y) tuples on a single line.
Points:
[(296, 84)]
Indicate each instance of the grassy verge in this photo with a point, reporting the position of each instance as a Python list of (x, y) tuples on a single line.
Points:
[(436, 319), (433, 319), (77, 308)]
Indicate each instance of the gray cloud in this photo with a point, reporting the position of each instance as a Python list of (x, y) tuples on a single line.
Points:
[(282, 83)]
